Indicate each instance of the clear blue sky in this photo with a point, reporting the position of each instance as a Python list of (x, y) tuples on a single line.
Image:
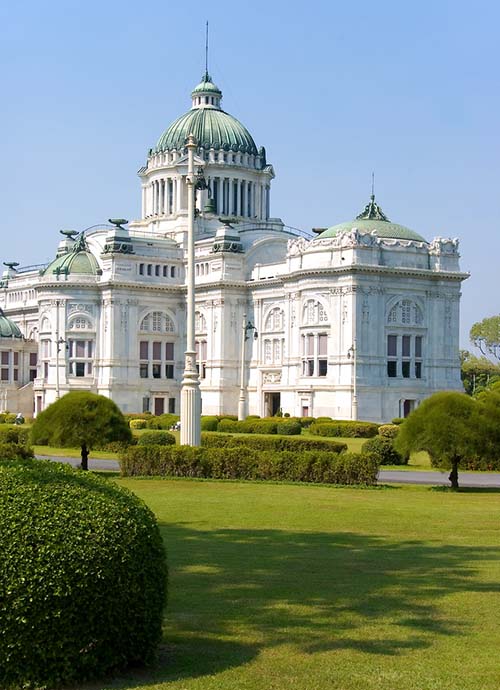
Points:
[(332, 90)]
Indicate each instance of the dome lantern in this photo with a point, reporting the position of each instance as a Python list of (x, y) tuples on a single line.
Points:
[(206, 94)]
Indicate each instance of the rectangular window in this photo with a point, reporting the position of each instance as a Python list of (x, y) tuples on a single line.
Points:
[(156, 371), (322, 367), (309, 344), (169, 350), (15, 373), (418, 346), (16, 359), (32, 374), (4, 375), (80, 348), (150, 269), (405, 369), (45, 370), (392, 345), (141, 269), (79, 368), (171, 405), (143, 349), (392, 369), (165, 271), (172, 271), (310, 367), (157, 270), (418, 370), (143, 371), (322, 344), (33, 359), (157, 351), (145, 404), (5, 357), (169, 371), (406, 350)]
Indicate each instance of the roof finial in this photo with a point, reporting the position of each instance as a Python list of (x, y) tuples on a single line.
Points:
[(206, 53), (373, 185)]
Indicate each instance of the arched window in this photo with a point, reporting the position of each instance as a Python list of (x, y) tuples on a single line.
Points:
[(314, 313), (406, 313), (275, 320), (157, 322)]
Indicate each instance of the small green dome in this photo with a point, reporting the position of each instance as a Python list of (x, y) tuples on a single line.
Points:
[(8, 329), (206, 86), (374, 220), (79, 260)]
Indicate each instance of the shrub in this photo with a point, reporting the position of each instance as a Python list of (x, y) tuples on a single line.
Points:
[(252, 426), (137, 423), (383, 449), (388, 430), (398, 420), (348, 429), (209, 423), (162, 421), (324, 419), (306, 421), (235, 462), (253, 416), (14, 434), (289, 428), (137, 415), (276, 443), (159, 438), (82, 576), (14, 451)]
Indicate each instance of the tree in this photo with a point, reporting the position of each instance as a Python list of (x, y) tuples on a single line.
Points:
[(477, 373), (80, 419), (486, 336), (442, 426)]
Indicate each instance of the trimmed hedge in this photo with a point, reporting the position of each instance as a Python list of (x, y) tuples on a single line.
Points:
[(162, 421), (276, 443), (383, 449), (137, 415), (209, 423), (137, 423), (388, 430), (252, 426), (14, 451), (289, 428), (235, 462), (347, 429), (82, 576), (159, 438)]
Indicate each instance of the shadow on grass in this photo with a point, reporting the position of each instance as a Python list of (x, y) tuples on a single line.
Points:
[(234, 593), (468, 489)]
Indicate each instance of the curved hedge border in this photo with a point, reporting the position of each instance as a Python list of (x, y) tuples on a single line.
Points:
[(236, 462), (82, 576)]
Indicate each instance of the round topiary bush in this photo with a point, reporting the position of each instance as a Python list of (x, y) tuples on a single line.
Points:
[(383, 449), (209, 423), (156, 438), (82, 576), (388, 430)]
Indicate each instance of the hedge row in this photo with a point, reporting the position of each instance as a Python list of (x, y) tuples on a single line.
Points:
[(476, 464), (347, 429), (245, 463), (382, 447), (275, 443), (275, 425)]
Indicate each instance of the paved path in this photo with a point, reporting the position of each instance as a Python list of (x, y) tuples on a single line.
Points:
[(469, 479)]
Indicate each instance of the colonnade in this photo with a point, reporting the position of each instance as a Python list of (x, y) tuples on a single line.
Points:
[(232, 197)]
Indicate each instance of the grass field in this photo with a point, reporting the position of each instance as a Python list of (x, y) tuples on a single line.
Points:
[(310, 588)]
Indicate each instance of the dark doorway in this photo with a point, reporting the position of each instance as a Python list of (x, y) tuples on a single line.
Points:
[(272, 403), (408, 407), (159, 406)]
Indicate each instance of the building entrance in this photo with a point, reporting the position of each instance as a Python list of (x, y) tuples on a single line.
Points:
[(272, 403)]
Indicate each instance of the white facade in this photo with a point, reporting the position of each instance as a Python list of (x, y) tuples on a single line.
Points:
[(351, 324)]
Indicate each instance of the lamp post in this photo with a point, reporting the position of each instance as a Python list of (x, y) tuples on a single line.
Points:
[(351, 354), (190, 390), (245, 328)]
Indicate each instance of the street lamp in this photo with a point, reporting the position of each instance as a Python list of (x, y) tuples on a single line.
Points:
[(190, 390), (351, 354), (247, 327)]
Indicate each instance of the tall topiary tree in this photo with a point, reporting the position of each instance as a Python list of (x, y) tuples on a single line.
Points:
[(80, 419), (82, 576), (442, 425)]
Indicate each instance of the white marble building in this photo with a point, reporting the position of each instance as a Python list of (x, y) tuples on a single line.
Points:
[(360, 321)]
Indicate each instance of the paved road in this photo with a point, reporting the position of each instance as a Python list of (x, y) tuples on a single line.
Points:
[(469, 479)]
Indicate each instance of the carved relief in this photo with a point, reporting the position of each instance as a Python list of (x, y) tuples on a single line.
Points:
[(271, 377)]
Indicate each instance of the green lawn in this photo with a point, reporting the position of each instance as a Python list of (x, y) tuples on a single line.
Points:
[(310, 588)]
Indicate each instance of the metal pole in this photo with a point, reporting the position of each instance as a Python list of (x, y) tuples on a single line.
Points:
[(355, 383), (242, 400), (58, 391), (190, 391)]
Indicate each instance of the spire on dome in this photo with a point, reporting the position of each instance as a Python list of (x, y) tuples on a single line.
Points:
[(372, 211)]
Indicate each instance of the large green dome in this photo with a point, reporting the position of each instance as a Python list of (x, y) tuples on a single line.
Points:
[(8, 329), (79, 260), (374, 220), (211, 126)]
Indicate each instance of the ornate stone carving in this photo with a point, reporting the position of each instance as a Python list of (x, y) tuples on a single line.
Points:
[(78, 306), (444, 245), (271, 377)]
